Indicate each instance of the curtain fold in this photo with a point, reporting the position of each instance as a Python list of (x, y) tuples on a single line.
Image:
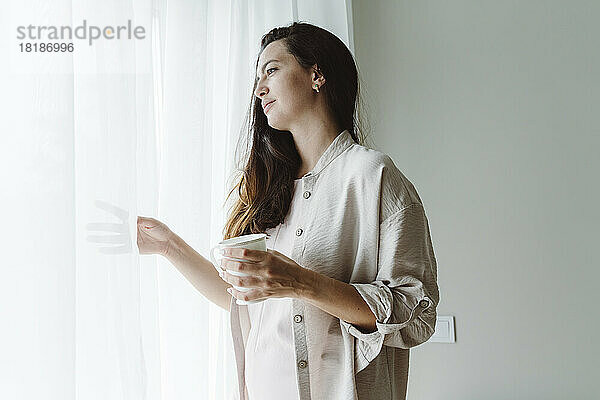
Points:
[(93, 138)]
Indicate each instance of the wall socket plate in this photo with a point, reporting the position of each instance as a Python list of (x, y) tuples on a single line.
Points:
[(444, 330)]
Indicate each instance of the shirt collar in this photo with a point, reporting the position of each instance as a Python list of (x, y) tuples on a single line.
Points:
[(341, 142)]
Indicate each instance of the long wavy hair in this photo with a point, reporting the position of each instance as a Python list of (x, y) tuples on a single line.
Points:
[(269, 163)]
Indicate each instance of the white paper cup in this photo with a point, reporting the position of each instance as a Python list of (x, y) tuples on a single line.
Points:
[(255, 241)]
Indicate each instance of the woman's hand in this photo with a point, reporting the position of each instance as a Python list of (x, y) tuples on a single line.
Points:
[(272, 274), (153, 237)]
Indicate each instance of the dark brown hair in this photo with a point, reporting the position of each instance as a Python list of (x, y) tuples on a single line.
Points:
[(270, 161)]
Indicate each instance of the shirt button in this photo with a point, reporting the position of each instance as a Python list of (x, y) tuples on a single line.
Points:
[(302, 364), (297, 318), (298, 232), (424, 303), (306, 194)]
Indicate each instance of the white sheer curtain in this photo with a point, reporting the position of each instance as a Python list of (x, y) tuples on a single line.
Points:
[(114, 130)]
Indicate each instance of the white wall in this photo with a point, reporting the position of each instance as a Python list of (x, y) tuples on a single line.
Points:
[(491, 109)]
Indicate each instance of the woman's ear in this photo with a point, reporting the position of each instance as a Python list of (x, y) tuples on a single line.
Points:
[(317, 76)]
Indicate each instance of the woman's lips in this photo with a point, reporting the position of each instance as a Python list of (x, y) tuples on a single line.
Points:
[(268, 106)]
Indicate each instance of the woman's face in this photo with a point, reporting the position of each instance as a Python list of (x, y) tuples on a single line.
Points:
[(286, 82)]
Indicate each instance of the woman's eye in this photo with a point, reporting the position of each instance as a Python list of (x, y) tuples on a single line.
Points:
[(270, 70)]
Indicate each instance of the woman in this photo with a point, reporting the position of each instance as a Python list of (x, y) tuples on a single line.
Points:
[(349, 275)]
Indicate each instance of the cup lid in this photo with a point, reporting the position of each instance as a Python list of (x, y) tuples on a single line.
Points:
[(243, 239)]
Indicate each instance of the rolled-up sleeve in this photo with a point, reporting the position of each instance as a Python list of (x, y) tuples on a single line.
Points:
[(405, 294)]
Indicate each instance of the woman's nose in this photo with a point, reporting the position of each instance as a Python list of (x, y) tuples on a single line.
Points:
[(260, 91)]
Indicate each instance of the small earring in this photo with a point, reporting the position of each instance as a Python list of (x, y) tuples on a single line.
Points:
[(317, 88)]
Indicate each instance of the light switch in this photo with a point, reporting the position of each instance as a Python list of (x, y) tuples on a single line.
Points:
[(444, 330)]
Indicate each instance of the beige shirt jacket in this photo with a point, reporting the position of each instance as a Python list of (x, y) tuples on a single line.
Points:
[(362, 223)]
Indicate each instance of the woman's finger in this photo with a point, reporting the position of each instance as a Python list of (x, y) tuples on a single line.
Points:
[(244, 254), (245, 267)]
